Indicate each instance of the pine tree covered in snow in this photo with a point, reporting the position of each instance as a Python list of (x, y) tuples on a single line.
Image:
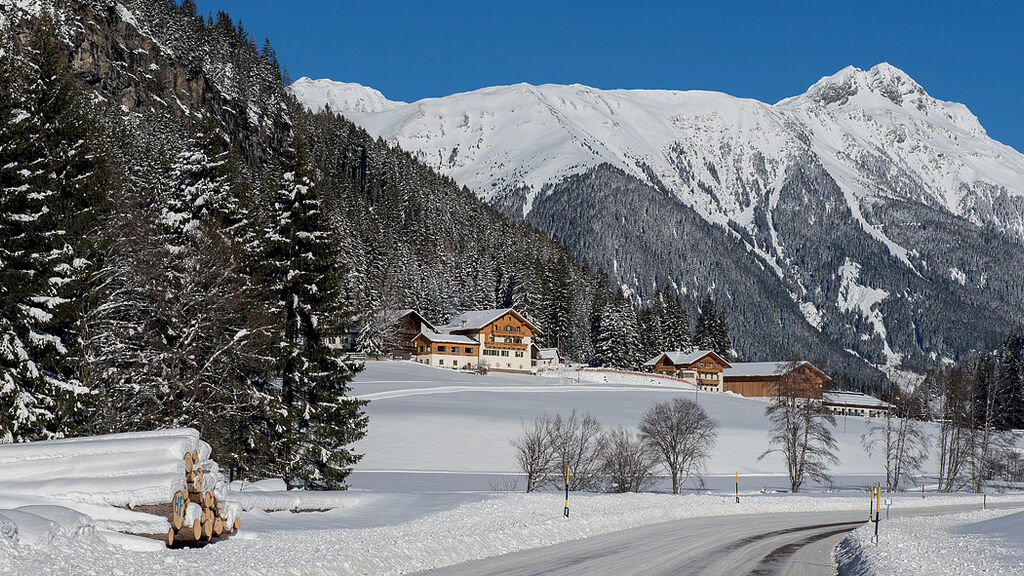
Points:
[(319, 420), (54, 181), (711, 331), (618, 342)]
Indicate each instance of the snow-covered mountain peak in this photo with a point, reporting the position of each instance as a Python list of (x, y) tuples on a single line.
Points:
[(342, 96), (883, 79)]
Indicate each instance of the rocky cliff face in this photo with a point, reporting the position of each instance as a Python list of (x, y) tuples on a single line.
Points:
[(145, 58)]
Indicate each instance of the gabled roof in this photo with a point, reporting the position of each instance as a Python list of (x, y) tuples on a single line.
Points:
[(478, 319), (445, 338), (393, 316), (765, 369), (685, 357), (854, 399), (548, 353)]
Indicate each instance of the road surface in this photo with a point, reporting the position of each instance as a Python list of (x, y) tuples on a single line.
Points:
[(798, 544)]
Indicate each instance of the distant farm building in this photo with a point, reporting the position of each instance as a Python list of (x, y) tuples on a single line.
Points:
[(856, 404), (761, 379), (543, 357), (701, 368), (401, 326), (498, 339)]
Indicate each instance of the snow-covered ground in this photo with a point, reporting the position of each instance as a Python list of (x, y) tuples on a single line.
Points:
[(989, 542), (433, 429), (438, 441), (394, 534)]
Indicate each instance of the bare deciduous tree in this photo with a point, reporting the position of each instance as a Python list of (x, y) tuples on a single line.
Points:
[(801, 429), (681, 434), (574, 444), (903, 442), (626, 463), (534, 451)]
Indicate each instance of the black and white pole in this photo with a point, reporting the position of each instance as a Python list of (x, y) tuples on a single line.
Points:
[(566, 512), (737, 487)]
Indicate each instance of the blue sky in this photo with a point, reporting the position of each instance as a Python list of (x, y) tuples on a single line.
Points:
[(970, 52)]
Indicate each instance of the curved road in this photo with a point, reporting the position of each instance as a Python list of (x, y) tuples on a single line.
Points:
[(761, 544)]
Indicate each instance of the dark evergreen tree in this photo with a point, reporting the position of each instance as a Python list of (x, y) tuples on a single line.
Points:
[(53, 188), (320, 422), (676, 322)]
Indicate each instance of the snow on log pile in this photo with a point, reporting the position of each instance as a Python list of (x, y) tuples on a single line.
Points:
[(160, 484)]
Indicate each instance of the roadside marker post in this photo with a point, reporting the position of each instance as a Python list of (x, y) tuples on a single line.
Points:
[(922, 486), (984, 496), (871, 504), (737, 487), (888, 502), (566, 512), (878, 504)]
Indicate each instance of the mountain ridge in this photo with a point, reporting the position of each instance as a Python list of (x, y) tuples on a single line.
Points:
[(858, 145)]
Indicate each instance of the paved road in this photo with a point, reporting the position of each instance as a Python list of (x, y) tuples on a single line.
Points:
[(761, 544)]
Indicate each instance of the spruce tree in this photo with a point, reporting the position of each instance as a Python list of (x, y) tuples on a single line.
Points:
[(54, 178), (704, 331), (676, 322), (319, 422)]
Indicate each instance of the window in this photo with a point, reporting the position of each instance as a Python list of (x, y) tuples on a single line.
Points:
[(508, 328), (440, 348), (421, 349), (469, 349), (504, 353), (440, 362), (519, 354), (519, 328), (455, 349)]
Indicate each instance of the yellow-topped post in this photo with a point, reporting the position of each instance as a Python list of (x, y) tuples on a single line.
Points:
[(566, 512)]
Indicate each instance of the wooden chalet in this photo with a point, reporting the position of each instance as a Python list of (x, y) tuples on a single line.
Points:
[(497, 339), (701, 368)]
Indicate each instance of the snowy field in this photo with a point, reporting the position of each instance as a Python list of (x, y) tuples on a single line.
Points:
[(983, 542), (440, 430)]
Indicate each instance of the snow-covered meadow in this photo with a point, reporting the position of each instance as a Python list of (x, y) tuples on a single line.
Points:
[(433, 429)]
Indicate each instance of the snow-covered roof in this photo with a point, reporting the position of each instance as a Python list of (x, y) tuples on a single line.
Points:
[(478, 319), (684, 357), (548, 353), (853, 399), (394, 316), (758, 369), (447, 338)]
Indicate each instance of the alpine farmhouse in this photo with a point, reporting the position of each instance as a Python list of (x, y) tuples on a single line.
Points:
[(701, 368), (498, 339)]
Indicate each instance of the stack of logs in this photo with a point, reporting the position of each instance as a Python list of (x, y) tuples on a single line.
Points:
[(196, 514)]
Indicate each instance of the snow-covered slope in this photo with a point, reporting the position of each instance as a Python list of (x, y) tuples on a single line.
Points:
[(877, 132)]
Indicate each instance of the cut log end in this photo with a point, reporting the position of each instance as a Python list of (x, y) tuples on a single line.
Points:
[(170, 537), (207, 530)]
